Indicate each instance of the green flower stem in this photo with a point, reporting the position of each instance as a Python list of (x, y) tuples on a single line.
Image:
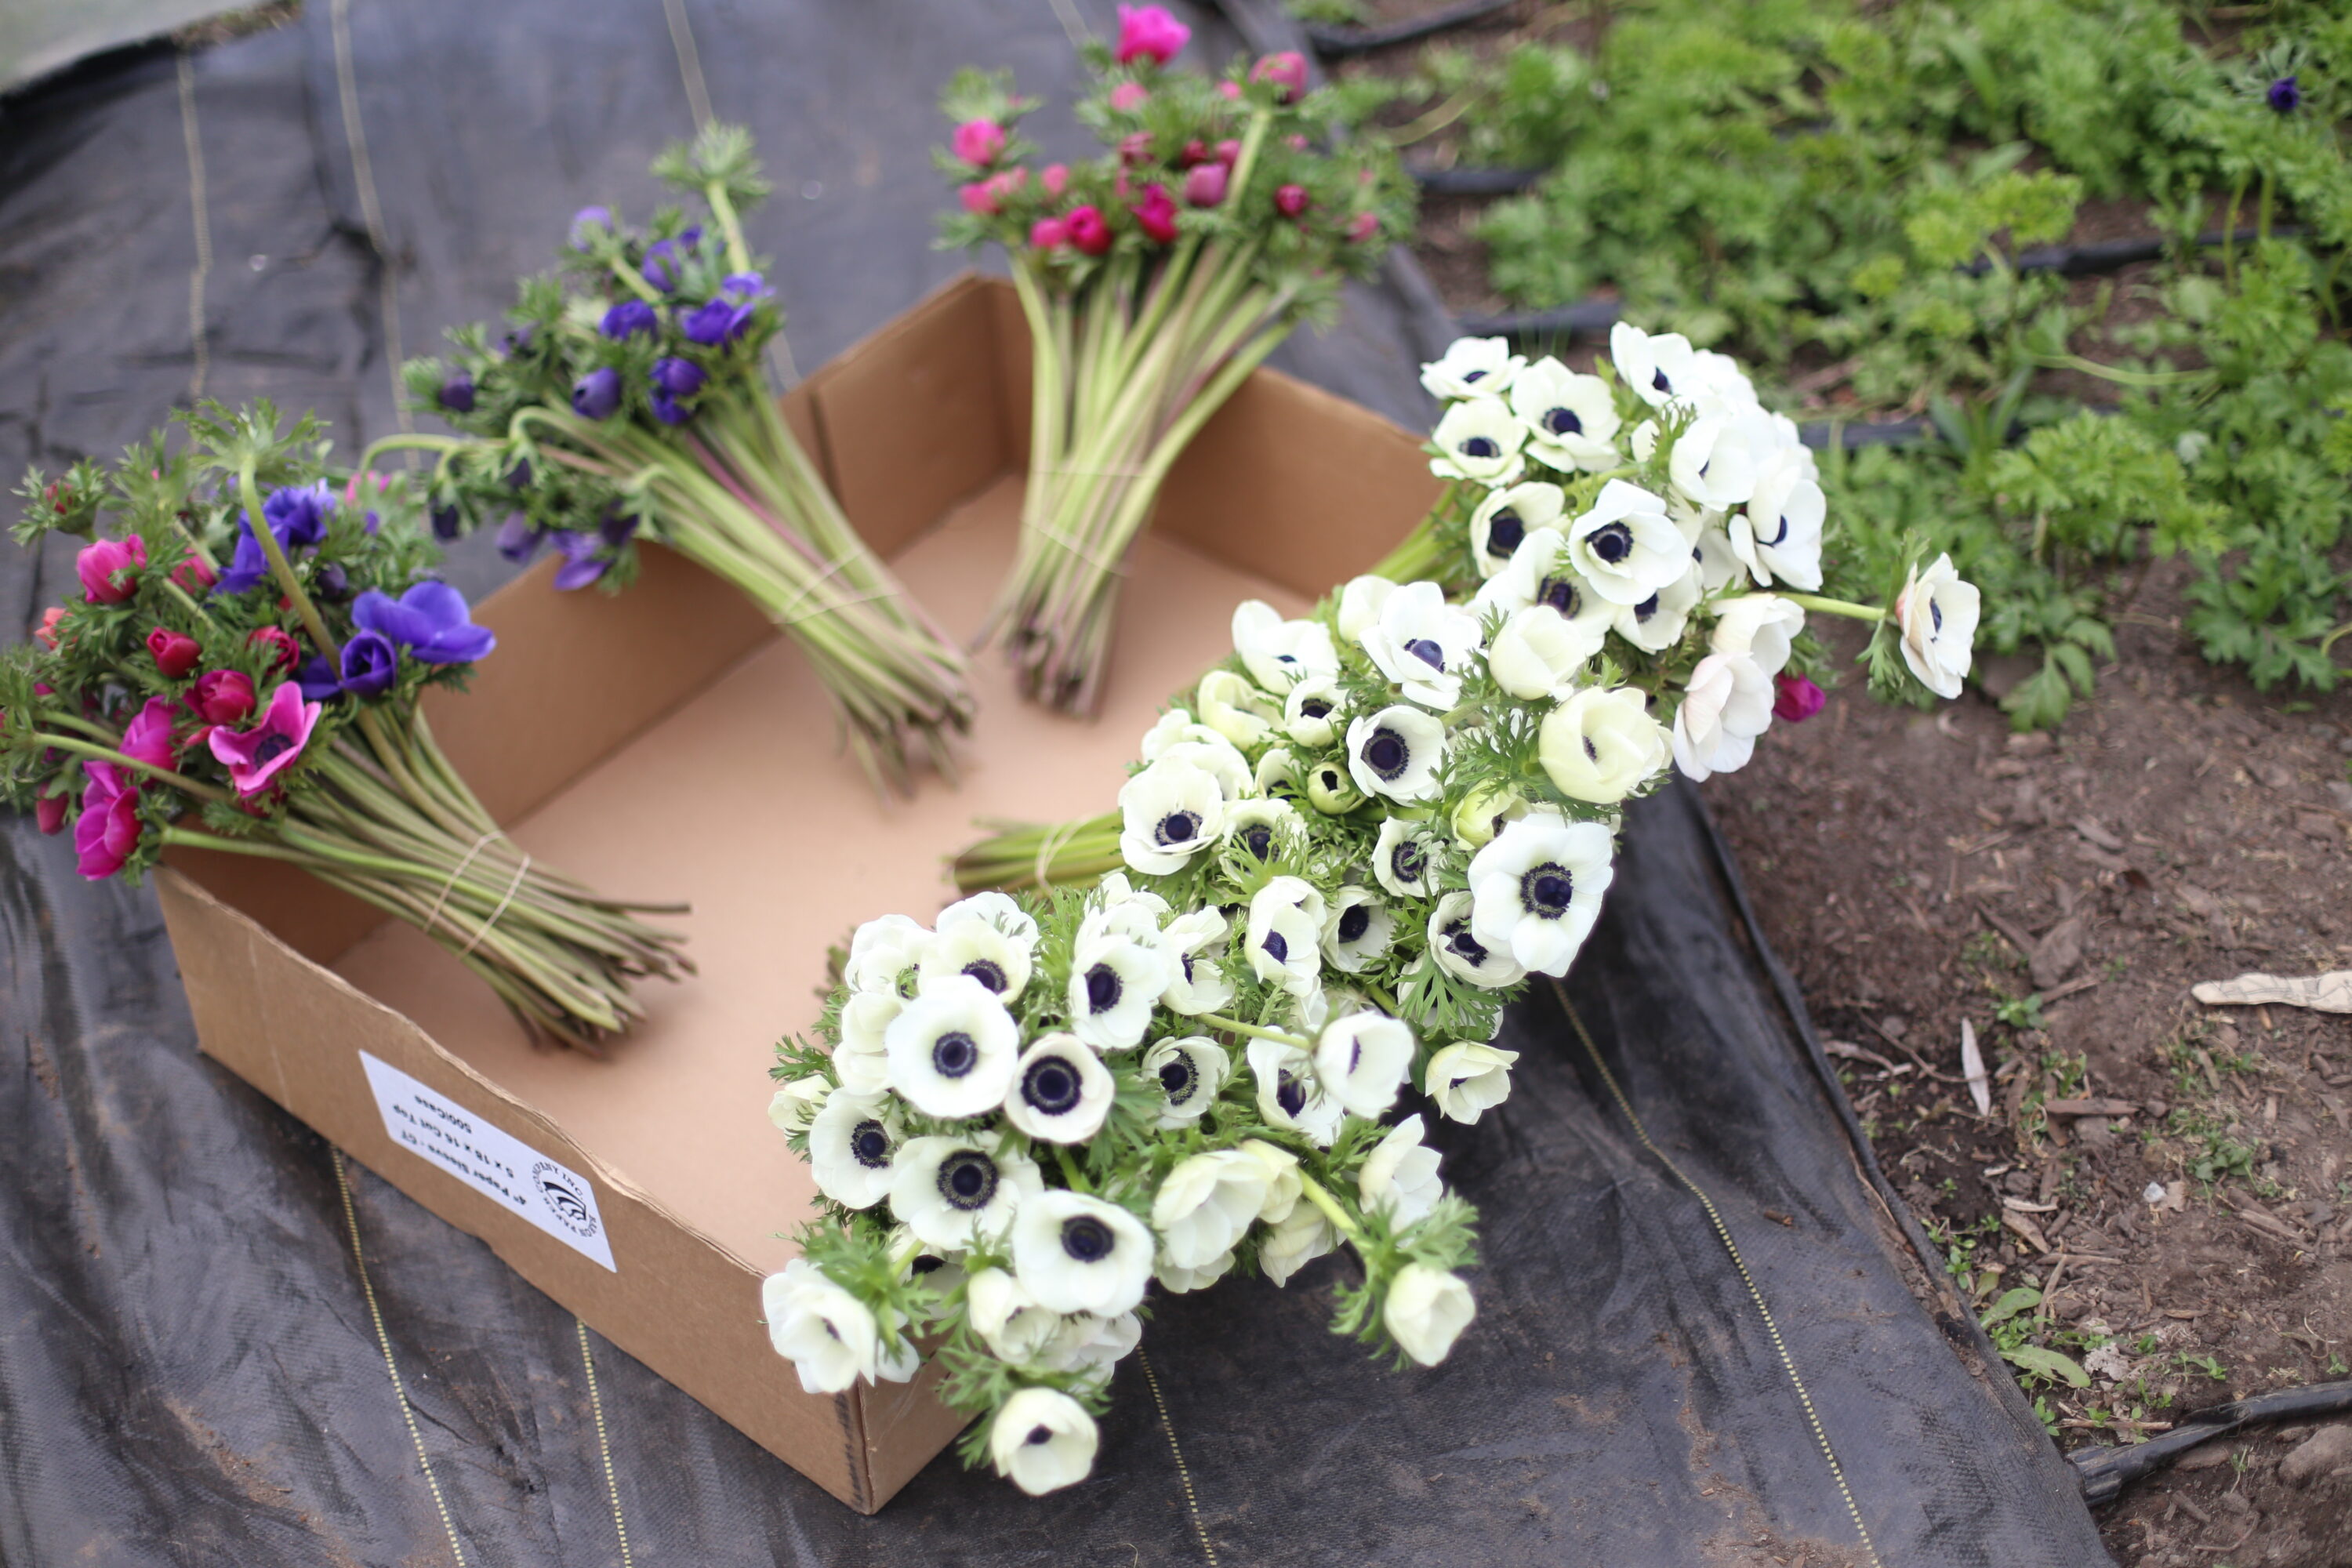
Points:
[(107, 754), (1846, 607), (1314, 1193), (189, 604), (1070, 853), (636, 284), (447, 446), (1254, 1031), (722, 208), (279, 567)]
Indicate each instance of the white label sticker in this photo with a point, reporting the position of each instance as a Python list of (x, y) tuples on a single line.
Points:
[(549, 1193)]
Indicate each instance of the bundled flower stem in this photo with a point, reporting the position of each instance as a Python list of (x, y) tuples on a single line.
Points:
[(1153, 282), (174, 704), (635, 399)]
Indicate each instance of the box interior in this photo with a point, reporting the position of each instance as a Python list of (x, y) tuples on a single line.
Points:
[(668, 744)]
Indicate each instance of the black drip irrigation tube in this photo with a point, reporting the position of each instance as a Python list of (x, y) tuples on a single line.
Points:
[(1334, 42), (2105, 1471)]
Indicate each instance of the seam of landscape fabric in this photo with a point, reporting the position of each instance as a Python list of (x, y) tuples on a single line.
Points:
[(603, 1442), (370, 210), (1755, 1292), (383, 1339), (193, 135), (1183, 1475)]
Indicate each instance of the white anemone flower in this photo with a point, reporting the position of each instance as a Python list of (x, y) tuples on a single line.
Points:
[(851, 1142), (1297, 1239), (1264, 828), (1395, 753), (1115, 983), (1713, 560), (1016, 1328), (796, 1103), (1479, 441), (1280, 654), (1472, 367), (1358, 932), (1285, 927), (1537, 890), (1626, 546), (977, 948), (1777, 536), (952, 1050), (1215, 756), (1074, 1253), (828, 1334), (950, 1192), (1194, 946), (1399, 1175), (1540, 573), (1042, 1440), (1277, 768), (1601, 745), (1190, 1071), (1571, 419), (1124, 910), (1310, 713), (1404, 859), (1426, 1311), (1290, 1095), (1423, 643), (1504, 520), (999, 912), (1283, 1185), (1721, 379), (1538, 652), (1726, 705), (1173, 728), (1466, 1079), (1720, 455), (1760, 626), (882, 952), (1659, 367), (1182, 1281), (1235, 709), (1658, 622), (1169, 812), (1089, 1347), (1459, 951), (1061, 1091), (1937, 614), (1362, 1059), (862, 1060), (1361, 600), (1206, 1204), (1484, 812)]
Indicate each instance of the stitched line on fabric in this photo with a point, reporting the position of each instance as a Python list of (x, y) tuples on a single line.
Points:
[(1755, 1292), (383, 1339), (338, 14), (603, 1444), (1191, 1503), (196, 205)]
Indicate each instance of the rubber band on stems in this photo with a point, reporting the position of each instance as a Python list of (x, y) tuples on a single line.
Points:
[(1051, 846), (521, 872), (1114, 569), (837, 607), (785, 616), (433, 916)]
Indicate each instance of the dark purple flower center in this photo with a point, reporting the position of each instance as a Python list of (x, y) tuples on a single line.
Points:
[(988, 971), (1546, 890), (1290, 1094), (1470, 375), (1936, 615), (1481, 447), (1505, 533), (1561, 594), (967, 1180), (1592, 751), (1427, 650), (1562, 422), (1612, 542), (1458, 937), (1386, 753), (1658, 379), (1177, 1080), (1780, 534), (1102, 988), (1646, 608), (1050, 1086), (954, 1054), (1086, 1239), (869, 1145), (1278, 946), (1315, 708), (1258, 839), (1354, 921), (1406, 862), (1179, 826), (274, 744), (2284, 95), (1040, 1434)]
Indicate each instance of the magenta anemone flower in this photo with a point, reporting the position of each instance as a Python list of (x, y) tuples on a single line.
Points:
[(108, 829), (1149, 31), (148, 737), (253, 757)]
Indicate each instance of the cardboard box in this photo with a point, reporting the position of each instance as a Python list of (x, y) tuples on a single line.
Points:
[(667, 743)]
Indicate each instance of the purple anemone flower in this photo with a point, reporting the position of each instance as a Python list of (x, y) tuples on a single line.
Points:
[(673, 379), (661, 257), (720, 320), (2284, 95), (430, 622), (295, 514), (456, 393), (447, 522), (371, 664), (253, 757), (629, 316), (582, 564), (597, 395), (520, 538), (317, 677), (586, 221)]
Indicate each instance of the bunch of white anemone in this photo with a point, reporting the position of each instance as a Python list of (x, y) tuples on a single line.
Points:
[(1639, 574)]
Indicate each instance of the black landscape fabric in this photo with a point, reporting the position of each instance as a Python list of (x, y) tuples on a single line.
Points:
[(190, 1367)]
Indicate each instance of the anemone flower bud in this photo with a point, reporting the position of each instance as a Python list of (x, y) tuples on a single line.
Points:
[(597, 395), (673, 379), (1194, 151), (1055, 179), (1135, 148), (447, 523), (1287, 70), (174, 653), (977, 199), (109, 568), (1048, 233), (1089, 231), (660, 267), (979, 143), (1231, 89), (194, 576), (456, 393), (49, 812), (586, 221), (628, 317), (1204, 185), (1362, 226), (1149, 31), (221, 696), (1156, 213), (1796, 699), (47, 633), (278, 643), (371, 665), (2284, 96), (1128, 97)]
